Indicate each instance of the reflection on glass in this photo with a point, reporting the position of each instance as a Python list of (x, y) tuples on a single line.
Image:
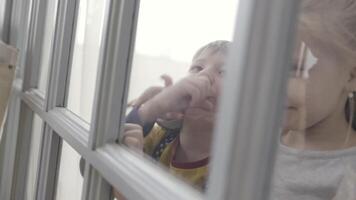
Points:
[(85, 59), (175, 82), (70, 180), (32, 170), (47, 44), (317, 154)]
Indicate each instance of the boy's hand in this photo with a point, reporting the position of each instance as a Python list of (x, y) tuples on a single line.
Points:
[(133, 136), (151, 92), (175, 99)]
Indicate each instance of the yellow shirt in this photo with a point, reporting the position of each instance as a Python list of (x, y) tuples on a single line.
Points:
[(163, 148)]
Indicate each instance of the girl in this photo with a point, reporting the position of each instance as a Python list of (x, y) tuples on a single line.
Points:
[(317, 155)]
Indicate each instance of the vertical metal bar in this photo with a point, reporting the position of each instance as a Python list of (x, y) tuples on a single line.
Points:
[(95, 187), (5, 18), (22, 153), (55, 96), (19, 31), (115, 58), (56, 89), (50, 152), (10, 148), (32, 69), (247, 132), (19, 34), (67, 53)]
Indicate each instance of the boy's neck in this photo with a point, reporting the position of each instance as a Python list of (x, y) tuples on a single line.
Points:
[(329, 134)]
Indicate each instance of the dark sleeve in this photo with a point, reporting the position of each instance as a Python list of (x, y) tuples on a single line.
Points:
[(134, 118)]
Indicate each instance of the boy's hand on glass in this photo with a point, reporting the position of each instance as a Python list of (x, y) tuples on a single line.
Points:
[(133, 136)]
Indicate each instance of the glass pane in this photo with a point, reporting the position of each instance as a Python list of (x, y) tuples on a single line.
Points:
[(35, 148), (70, 180), (47, 44), (317, 151), (85, 57), (178, 68)]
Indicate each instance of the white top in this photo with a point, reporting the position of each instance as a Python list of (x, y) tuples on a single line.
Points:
[(314, 175)]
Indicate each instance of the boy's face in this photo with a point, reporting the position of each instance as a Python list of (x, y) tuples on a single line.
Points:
[(316, 87), (207, 62)]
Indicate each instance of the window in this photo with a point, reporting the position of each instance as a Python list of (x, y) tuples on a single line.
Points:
[(166, 45), (164, 51), (70, 181), (47, 44), (36, 138), (86, 57), (101, 55)]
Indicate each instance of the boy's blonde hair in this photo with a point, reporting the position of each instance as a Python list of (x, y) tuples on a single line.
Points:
[(333, 21), (214, 47)]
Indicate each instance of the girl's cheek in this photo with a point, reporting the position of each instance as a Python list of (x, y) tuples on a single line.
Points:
[(296, 93)]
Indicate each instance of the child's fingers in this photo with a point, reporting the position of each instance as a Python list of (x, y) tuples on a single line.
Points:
[(168, 81), (131, 103), (137, 133), (151, 92), (173, 116), (194, 94), (133, 139), (130, 126), (147, 95), (205, 88), (170, 124), (133, 134), (198, 88), (133, 143)]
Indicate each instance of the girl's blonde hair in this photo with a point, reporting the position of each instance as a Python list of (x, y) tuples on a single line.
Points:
[(331, 20)]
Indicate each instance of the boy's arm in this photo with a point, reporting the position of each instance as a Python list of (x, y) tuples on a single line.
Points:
[(134, 118)]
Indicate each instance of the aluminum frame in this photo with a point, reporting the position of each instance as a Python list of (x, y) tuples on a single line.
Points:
[(249, 121), (5, 10), (20, 33)]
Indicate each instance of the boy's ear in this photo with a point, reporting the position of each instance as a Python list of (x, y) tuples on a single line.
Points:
[(351, 85)]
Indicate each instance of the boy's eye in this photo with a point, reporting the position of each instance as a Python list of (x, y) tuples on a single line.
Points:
[(195, 69), (221, 72)]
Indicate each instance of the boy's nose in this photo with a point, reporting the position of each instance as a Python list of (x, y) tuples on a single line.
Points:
[(213, 74)]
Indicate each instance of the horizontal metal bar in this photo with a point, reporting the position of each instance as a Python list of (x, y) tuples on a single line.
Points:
[(117, 165), (138, 178)]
